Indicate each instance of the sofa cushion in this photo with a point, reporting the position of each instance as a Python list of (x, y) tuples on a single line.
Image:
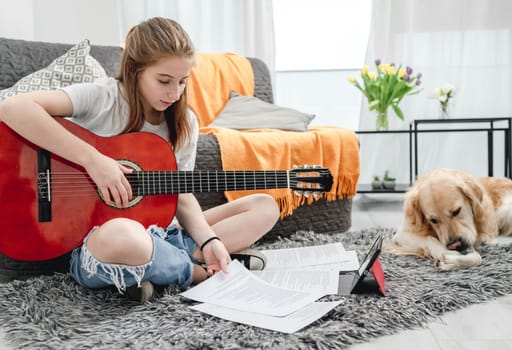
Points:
[(75, 66), (247, 112)]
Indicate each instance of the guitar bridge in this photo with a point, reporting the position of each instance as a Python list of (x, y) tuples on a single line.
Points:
[(44, 208)]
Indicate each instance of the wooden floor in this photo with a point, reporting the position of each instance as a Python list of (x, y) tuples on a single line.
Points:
[(478, 327)]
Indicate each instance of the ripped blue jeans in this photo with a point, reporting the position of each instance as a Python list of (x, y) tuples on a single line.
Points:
[(170, 264)]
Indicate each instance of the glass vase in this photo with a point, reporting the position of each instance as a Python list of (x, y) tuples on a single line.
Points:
[(444, 111), (382, 120)]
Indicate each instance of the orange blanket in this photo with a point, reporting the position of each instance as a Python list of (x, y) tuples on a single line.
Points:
[(212, 79), (269, 149)]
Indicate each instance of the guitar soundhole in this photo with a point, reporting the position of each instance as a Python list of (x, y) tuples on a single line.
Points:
[(136, 199)]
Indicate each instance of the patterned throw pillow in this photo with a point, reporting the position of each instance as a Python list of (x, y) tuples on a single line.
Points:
[(75, 66)]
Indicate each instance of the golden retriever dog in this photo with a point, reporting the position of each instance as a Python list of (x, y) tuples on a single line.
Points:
[(448, 213)]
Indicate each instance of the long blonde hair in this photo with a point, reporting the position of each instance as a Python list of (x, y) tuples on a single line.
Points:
[(145, 44)]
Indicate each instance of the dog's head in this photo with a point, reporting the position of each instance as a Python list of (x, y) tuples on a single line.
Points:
[(449, 205)]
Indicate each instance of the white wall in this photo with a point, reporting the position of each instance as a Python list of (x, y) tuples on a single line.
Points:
[(17, 19), (69, 21), (327, 94)]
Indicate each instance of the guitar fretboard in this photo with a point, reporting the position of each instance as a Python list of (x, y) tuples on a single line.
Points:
[(168, 182)]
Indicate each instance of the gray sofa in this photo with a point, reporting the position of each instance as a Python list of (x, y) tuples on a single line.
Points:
[(19, 58)]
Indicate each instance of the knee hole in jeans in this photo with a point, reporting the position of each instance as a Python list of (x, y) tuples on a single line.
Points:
[(121, 241)]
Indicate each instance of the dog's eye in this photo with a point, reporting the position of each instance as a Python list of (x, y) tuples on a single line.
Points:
[(456, 211), (434, 221)]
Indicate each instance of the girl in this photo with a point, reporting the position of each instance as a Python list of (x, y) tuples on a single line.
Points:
[(149, 95)]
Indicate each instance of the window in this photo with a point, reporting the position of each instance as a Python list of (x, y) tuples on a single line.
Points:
[(321, 34)]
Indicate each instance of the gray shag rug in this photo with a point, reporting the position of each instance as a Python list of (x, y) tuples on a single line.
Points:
[(52, 312)]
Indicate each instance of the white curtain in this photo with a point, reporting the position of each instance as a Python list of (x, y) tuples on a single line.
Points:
[(467, 43), (63, 21), (244, 27)]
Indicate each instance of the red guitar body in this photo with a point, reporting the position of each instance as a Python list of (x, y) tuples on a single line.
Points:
[(74, 212)]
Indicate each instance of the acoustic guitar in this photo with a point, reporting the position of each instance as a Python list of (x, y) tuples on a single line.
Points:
[(48, 204)]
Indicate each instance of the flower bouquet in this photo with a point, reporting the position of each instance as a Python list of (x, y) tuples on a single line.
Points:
[(443, 94), (386, 87)]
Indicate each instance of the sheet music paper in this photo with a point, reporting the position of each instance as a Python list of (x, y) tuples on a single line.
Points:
[(243, 291), (326, 256), (308, 269), (282, 296), (287, 324), (309, 281)]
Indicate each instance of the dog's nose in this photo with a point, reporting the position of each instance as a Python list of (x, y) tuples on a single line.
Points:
[(458, 244), (454, 243)]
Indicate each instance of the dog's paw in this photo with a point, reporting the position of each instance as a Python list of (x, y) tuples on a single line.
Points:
[(449, 261), (454, 260)]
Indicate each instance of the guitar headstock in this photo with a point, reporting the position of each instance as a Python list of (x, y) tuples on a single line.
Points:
[(310, 179)]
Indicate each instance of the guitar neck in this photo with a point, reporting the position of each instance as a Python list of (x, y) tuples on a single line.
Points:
[(169, 182)]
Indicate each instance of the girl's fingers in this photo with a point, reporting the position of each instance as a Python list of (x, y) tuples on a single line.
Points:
[(224, 265)]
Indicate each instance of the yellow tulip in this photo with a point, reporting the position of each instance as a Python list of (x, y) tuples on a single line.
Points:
[(391, 70), (372, 75), (366, 69), (401, 72), (384, 67), (351, 79)]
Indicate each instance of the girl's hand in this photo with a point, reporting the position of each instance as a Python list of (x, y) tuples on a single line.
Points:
[(108, 175), (216, 257)]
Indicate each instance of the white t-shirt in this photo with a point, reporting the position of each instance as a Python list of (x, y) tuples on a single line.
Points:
[(100, 108)]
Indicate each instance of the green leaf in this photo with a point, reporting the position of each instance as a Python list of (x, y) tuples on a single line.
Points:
[(398, 111)]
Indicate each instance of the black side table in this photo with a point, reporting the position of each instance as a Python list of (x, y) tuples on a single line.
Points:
[(490, 125)]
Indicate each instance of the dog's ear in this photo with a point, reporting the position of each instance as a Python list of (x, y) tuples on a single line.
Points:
[(413, 210), (474, 193)]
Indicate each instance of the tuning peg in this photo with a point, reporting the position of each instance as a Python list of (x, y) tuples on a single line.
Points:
[(298, 193)]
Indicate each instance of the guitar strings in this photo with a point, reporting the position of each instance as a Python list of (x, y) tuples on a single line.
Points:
[(72, 183)]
